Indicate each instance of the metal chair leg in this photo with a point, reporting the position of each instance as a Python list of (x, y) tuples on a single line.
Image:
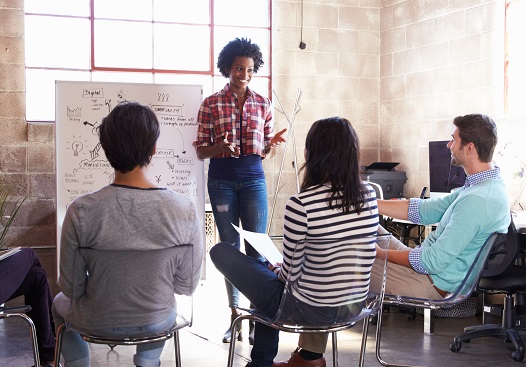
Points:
[(378, 343), (177, 347), (33, 334), (58, 343), (364, 341), (334, 349), (233, 328)]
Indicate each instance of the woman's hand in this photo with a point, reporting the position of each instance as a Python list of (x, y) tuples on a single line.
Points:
[(274, 268), (278, 138), (228, 147)]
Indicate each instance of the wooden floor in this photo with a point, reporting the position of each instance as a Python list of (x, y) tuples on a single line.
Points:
[(403, 341)]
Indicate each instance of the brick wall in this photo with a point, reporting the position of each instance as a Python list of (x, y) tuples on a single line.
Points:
[(439, 59), (26, 151), (400, 70)]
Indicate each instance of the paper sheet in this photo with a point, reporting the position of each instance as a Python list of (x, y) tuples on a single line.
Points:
[(263, 244)]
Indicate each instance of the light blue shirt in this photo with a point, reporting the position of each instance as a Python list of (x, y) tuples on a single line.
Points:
[(466, 218)]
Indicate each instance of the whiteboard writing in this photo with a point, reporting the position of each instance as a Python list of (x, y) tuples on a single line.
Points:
[(81, 165)]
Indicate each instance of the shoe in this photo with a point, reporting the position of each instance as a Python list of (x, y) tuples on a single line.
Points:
[(227, 336), (297, 361), (251, 327)]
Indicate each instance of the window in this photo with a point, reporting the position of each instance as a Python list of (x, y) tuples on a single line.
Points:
[(515, 57), (144, 41)]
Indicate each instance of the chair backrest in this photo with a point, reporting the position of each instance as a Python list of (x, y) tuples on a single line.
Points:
[(347, 277), (107, 280), (378, 189), (379, 195), (466, 287), (503, 253)]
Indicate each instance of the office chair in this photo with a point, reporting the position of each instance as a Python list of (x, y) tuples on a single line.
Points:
[(372, 304), (6, 312), (134, 262), (464, 291), (505, 277)]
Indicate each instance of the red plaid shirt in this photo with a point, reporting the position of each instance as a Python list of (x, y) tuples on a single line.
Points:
[(219, 113)]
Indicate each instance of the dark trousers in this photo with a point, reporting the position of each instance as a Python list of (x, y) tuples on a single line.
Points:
[(23, 274)]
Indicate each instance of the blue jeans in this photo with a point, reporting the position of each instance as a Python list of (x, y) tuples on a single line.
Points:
[(23, 274), (233, 201), (76, 352), (264, 290)]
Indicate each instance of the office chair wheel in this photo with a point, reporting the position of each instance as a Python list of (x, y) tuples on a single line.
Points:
[(518, 356), (455, 346)]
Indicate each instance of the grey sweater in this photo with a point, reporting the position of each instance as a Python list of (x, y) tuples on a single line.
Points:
[(121, 259)]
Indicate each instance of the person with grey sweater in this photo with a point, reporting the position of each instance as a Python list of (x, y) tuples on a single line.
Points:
[(121, 253)]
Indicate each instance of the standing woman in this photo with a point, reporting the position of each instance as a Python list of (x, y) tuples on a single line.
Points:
[(236, 133)]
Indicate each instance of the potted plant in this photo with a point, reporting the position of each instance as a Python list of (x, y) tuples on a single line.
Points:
[(9, 207)]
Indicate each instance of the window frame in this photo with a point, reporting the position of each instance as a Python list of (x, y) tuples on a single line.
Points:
[(212, 72), (510, 109)]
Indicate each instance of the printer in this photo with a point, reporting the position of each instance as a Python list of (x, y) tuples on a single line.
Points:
[(383, 173)]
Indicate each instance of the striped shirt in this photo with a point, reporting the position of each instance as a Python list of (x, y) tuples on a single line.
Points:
[(250, 129), (326, 266)]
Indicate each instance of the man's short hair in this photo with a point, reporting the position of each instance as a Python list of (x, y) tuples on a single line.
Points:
[(480, 130), (128, 136)]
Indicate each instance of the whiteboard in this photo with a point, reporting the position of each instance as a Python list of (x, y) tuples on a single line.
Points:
[(82, 167)]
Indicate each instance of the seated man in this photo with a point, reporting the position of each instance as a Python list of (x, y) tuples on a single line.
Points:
[(23, 274), (130, 215), (466, 218)]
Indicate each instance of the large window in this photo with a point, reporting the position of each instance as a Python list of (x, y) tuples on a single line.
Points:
[(136, 41), (515, 59)]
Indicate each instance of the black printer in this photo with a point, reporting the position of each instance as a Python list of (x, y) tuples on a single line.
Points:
[(383, 173)]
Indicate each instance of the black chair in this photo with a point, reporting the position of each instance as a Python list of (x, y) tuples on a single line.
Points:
[(502, 276), (6, 312)]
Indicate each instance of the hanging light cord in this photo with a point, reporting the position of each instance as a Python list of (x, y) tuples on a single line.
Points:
[(302, 44)]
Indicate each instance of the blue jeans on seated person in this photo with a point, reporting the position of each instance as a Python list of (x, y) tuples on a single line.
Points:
[(264, 290), (75, 350)]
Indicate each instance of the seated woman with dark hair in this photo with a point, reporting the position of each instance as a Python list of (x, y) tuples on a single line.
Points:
[(333, 203)]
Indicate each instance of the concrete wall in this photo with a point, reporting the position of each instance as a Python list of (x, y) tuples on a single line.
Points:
[(399, 70), (338, 74), (439, 59)]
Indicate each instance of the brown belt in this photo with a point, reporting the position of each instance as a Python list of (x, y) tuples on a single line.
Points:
[(440, 291)]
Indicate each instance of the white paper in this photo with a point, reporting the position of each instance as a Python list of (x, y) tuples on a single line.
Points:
[(263, 244)]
